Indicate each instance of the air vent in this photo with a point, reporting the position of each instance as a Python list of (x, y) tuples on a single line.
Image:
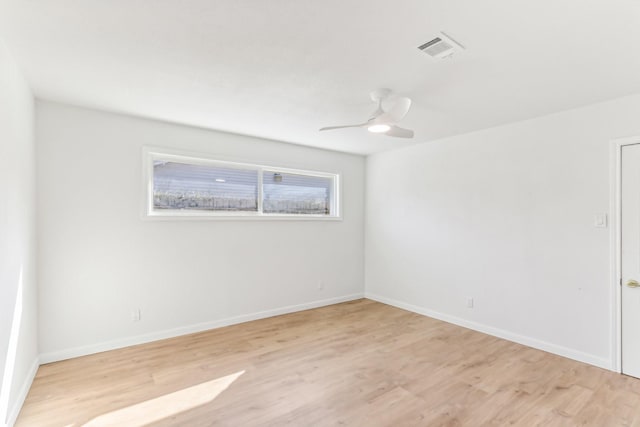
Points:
[(441, 47)]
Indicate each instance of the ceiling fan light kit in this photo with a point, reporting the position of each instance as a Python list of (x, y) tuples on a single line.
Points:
[(383, 121), (379, 128)]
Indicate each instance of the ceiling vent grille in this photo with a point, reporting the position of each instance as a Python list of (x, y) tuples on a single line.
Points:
[(441, 47)]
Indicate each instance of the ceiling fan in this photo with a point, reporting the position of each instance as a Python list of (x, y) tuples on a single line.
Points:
[(384, 121)]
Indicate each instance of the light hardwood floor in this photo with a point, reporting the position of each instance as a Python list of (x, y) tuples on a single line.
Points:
[(359, 364)]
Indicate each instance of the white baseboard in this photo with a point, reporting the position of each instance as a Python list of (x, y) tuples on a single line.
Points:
[(500, 333), (22, 394), (184, 330)]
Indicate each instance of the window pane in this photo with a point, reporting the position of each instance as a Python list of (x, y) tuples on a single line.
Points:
[(204, 187), (287, 193)]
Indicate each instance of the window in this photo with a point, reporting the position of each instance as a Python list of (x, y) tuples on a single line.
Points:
[(194, 187), (184, 186), (289, 193)]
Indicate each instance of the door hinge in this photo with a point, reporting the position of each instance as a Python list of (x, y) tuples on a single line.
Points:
[(621, 281)]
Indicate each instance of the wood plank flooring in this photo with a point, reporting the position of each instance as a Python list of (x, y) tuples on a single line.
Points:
[(357, 364)]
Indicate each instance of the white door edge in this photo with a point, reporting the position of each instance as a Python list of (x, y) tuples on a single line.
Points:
[(615, 238)]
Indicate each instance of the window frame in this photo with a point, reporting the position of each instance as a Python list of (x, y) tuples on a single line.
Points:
[(151, 154)]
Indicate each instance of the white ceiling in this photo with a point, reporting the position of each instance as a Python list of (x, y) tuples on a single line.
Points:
[(281, 69)]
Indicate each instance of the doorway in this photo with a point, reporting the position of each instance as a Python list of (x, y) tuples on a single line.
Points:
[(626, 255)]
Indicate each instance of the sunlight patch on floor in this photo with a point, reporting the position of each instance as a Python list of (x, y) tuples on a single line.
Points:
[(165, 406)]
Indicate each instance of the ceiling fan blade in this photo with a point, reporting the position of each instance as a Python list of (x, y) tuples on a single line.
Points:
[(399, 132), (342, 127), (399, 109)]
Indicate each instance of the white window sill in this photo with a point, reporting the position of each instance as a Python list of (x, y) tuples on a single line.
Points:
[(199, 216)]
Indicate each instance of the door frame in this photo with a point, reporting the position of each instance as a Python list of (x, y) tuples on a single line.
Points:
[(615, 239)]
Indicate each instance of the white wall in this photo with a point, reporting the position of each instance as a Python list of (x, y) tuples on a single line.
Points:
[(99, 259), (18, 361), (506, 216)]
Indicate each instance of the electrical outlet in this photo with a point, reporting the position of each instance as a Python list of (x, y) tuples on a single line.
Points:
[(469, 302), (320, 285), (135, 315), (600, 220)]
